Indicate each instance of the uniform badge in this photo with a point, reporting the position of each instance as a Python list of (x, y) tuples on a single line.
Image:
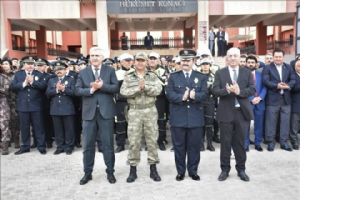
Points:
[(196, 80), (36, 78), (66, 83)]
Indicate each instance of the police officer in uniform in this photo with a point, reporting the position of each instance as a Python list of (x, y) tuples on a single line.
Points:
[(186, 90), (60, 90), (29, 86), (141, 87), (41, 66), (161, 102), (121, 104)]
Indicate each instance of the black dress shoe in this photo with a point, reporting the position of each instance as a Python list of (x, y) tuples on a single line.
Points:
[(295, 146), (161, 146), (195, 177), (42, 151), (111, 178), (58, 151), (33, 146), (119, 149), (202, 148), (21, 151), (78, 145), (258, 148), (286, 147), (216, 139), (223, 176), (69, 152), (86, 178), (180, 177), (251, 141), (49, 145), (243, 176), (271, 147)]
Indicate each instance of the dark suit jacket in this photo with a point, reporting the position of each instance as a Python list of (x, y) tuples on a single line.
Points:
[(187, 114), (103, 97), (260, 89), (227, 100), (61, 103), (271, 78), (295, 93), (29, 98)]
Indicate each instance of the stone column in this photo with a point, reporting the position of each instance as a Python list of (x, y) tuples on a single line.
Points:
[(261, 39), (102, 26), (202, 26), (41, 38)]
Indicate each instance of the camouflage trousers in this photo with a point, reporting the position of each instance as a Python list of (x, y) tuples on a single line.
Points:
[(5, 120), (142, 123)]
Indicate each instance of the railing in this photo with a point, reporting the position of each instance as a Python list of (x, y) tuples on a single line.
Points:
[(159, 43), (28, 50), (280, 44), (51, 51), (248, 50), (68, 54)]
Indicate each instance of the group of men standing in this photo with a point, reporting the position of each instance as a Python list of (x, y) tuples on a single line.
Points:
[(127, 102)]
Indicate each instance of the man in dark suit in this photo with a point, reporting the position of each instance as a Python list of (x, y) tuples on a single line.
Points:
[(233, 85), (186, 91), (29, 86), (279, 79), (97, 84), (148, 41), (60, 91), (221, 42), (257, 100)]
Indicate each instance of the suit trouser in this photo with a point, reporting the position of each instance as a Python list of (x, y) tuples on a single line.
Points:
[(258, 127), (295, 128), (187, 141), (271, 117), (34, 119), (64, 132), (221, 47), (232, 138), (104, 129)]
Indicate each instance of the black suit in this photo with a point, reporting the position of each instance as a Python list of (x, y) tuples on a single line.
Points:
[(233, 121), (98, 110)]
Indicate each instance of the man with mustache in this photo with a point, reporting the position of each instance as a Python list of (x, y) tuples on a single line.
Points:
[(186, 91), (60, 90)]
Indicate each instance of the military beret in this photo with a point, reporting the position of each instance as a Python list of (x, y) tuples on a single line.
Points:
[(28, 59), (59, 65), (141, 55), (41, 61), (187, 54)]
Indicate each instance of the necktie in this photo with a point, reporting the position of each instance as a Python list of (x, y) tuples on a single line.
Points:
[(187, 76), (235, 78), (96, 73), (254, 80)]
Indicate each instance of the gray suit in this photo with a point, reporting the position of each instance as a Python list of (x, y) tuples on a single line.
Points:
[(97, 114)]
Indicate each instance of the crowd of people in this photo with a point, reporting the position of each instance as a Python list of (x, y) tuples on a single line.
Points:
[(133, 97)]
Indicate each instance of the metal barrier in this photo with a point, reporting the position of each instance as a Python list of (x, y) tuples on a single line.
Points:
[(159, 43)]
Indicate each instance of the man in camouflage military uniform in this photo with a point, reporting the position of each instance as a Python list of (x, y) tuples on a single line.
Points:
[(4, 106), (141, 87)]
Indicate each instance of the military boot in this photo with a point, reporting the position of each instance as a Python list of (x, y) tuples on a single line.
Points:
[(154, 173), (132, 174), (5, 148)]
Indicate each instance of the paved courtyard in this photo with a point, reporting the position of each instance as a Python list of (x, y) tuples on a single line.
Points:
[(274, 175)]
